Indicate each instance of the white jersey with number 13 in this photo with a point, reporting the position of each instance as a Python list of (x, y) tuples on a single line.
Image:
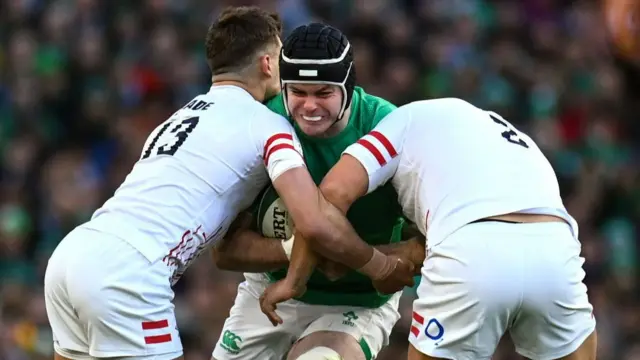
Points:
[(197, 171)]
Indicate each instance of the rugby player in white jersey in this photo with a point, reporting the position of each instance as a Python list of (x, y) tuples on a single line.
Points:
[(503, 253), (108, 283)]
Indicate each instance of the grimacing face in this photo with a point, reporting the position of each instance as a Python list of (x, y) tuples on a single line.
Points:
[(314, 107)]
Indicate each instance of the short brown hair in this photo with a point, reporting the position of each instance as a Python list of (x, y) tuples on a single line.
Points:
[(237, 35)]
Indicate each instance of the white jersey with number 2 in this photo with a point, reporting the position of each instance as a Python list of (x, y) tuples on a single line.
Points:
[(453, 163), (197, 171)]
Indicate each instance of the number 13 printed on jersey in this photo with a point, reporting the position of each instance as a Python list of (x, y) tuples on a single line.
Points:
[(171, 136)]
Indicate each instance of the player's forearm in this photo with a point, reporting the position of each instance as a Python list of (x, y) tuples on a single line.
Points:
[(412, 250), (303, 261), (342, 245), (338, 241), (347, 247), (248, 251), (337, 194), (391, 249)]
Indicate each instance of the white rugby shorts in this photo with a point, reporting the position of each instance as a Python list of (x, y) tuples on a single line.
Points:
[(105, 299), (489, 278), (248, 334)]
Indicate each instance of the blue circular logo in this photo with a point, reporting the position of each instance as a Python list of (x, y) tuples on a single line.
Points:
[(434, 330)]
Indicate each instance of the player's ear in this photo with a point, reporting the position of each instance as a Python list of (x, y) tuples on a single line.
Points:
[(269, 60), (265, 65)]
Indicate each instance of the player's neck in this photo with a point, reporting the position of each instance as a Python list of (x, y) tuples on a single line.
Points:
[(224, 80)]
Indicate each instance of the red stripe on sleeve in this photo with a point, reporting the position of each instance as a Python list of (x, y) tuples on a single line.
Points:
[(385, 142), (372, 149), (276, 148), (272, 139), (152, 325)]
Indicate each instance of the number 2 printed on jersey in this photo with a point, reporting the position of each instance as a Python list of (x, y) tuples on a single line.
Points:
[(171, 136), (510, 133)]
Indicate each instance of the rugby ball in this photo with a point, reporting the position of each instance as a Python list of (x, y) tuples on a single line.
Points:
[(272, 218)]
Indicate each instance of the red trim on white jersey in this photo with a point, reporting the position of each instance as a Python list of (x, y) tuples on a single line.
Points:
[(379, 146), (385, 142), (277, 142), (372, 149)]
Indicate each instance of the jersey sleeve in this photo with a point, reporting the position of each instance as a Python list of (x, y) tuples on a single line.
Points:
[(277, 144), (379, 150)]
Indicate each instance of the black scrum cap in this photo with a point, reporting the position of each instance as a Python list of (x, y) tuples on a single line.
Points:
[(318, 54)]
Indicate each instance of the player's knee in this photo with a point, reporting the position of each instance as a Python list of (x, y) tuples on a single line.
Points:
[(327, 345), (320, 353)]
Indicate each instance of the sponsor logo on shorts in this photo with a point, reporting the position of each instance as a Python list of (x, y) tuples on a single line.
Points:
[(349, 318), (230, 342)]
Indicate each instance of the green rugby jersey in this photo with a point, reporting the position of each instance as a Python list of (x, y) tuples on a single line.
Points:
[(376, 217)]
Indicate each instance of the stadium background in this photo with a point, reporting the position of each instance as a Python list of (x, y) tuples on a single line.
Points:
[(84, 81)]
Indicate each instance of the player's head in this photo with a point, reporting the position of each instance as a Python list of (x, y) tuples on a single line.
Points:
[(318, 77), (243, 44)]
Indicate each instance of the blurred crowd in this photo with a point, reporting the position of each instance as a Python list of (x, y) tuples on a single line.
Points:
[(83, 82)]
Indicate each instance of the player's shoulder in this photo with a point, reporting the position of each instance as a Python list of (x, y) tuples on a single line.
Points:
[(268, 121), (449, 105), (370, 109), (225, 102), (276, 105), (239, 109), (448, 109), (265, 112)]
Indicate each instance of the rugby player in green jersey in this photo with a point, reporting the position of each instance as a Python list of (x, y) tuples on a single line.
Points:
[(347, 317)]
